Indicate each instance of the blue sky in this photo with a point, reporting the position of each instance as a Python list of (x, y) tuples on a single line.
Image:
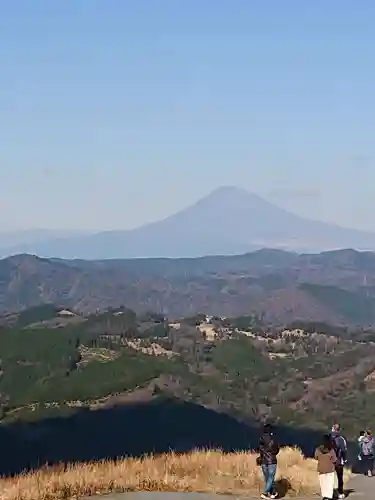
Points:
[(115, 113)]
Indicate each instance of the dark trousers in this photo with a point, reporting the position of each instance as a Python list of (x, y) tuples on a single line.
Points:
[(340, 478), (368, 464)]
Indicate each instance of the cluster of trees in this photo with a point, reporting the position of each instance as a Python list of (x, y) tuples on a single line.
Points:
[(41, 365)]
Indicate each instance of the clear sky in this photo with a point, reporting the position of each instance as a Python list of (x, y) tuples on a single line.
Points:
[(117, 112)]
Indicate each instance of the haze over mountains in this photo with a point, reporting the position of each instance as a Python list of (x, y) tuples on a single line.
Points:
[(228, 221), (10, 239)]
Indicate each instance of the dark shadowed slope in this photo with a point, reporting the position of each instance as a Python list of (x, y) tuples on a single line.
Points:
[(157, 426), (227, 221)]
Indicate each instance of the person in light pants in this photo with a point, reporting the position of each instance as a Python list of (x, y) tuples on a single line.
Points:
[(326, 457), (327, 483)]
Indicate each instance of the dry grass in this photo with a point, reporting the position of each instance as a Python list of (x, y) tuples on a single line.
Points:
[(199, 471)]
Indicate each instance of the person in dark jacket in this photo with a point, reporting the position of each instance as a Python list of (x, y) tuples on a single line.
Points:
[(269, 450), (341, 450)]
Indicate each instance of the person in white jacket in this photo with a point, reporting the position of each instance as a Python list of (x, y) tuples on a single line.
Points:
[(360, 439)]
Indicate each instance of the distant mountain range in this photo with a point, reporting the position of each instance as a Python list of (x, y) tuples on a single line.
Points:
[(335, 287), (228, 221)]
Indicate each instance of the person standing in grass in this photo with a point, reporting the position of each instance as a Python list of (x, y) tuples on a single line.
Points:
[(269, 450), (326, 457), (341, 449)]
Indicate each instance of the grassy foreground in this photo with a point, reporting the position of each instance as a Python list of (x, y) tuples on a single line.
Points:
[(199, 471)]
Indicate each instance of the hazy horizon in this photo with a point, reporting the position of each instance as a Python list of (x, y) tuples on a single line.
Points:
[(119, 114), (41, 233)]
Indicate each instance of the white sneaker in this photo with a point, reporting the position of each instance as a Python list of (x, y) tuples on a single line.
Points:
[(274, 495), (341, 496), (265, 496), (369, 473)]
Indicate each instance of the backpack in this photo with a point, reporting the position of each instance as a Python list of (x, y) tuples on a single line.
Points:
[(339, 445), (367, 447), (336, 446)]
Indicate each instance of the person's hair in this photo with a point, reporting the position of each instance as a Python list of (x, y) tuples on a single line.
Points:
[(368, 432), (327, 441), (362, 433), (267, 429)]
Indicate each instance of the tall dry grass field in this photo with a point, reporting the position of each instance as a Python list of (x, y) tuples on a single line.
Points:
[(199, 471)]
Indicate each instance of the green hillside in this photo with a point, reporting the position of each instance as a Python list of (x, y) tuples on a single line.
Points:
[(304, 380)]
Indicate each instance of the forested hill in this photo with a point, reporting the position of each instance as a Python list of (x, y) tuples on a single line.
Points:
[(333, 287), (56, 363)]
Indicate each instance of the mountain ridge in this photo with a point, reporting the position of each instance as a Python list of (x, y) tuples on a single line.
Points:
[(336, 287), (227, 221)]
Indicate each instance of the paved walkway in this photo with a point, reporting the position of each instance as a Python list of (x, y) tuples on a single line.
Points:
[(360, 487)]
